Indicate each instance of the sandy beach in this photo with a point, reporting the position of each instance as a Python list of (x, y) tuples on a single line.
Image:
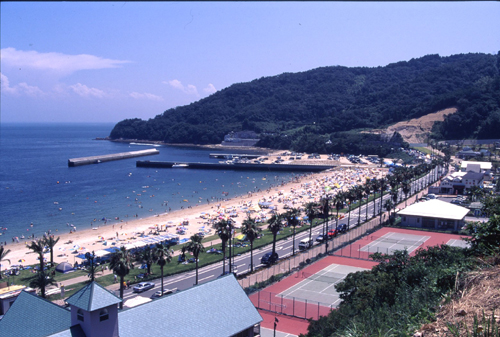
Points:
[(305, 188)]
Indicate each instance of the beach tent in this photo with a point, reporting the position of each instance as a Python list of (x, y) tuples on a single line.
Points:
[(64, 267)]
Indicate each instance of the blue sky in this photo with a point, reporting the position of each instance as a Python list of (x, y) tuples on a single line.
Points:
[(104, 62)]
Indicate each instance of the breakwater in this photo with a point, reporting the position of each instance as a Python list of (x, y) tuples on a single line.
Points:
[(109, 157), (235, 166)]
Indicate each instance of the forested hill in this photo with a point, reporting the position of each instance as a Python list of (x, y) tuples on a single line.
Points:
[(323, 103)]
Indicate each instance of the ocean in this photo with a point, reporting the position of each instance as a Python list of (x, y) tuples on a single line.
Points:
[(39, 192)]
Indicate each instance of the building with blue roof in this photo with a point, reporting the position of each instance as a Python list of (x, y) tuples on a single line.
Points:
[(216, 308)]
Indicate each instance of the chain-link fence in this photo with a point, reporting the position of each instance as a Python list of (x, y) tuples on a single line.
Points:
[(302, 258), (289, 305)]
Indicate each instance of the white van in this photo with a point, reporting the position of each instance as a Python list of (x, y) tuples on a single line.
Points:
[(305, 244)]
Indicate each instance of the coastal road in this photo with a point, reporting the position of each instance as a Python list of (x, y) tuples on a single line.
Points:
[(242, 263)]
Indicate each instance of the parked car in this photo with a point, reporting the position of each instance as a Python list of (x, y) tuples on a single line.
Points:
[(269, 258), (342, 228), (332, 233), (320, 238), (305, 244), (143, 286), (165, 292)]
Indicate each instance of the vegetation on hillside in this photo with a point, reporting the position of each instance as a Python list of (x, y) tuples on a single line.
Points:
[(305, 110), (401, 293)]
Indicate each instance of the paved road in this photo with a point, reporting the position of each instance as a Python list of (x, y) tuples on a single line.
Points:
[(284, 248)]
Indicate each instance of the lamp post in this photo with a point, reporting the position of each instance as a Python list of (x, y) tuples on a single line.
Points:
[(275, 324)]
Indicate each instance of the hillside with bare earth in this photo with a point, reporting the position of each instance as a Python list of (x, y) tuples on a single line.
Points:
[(476, 296), (416, 130)]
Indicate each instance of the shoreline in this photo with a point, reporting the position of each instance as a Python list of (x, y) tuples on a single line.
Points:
[(304, 188)]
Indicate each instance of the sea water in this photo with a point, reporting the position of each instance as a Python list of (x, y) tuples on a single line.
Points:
[(39, 192)]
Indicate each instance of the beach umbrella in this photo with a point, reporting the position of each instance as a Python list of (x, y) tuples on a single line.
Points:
[(22, 260)]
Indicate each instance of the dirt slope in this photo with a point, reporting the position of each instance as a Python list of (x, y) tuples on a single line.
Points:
[(416, 130)]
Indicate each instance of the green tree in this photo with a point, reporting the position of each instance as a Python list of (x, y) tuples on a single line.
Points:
[(485, 237), (291, 219), (406, 186), (382, 184), (50, 242), (367, 189), (250, 229), (38, 247), (224, 229), (338, 201), (325, 209), (146, 256), (195, 247), (359, 192), (3, 254), (388, 207), (121, 263), (41, 280), (162, 256), (312, 213), (92, 265), (275, 225)]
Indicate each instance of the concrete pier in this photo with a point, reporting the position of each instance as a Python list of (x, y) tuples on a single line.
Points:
[(235, 166), (109, 157)]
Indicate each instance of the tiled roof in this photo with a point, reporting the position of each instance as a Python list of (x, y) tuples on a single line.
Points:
[(93, 297), (33, 316), (436, 209), (74, 331), (216, 308)]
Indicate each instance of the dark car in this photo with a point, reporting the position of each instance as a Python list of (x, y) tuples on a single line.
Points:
[(342, 228), (269, 258)]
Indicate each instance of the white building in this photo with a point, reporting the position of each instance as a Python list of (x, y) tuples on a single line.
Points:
[(476, 166), (434, 214)]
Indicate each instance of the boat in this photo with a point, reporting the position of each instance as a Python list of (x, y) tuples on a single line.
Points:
[(180, 165)]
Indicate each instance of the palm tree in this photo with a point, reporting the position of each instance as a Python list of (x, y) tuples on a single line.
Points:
[(394, 195), (121, 263), (195, 247), (275, 226), (92, 266), (146, 256), (388, 206), (250, 229), (382, 184), (50, 242), (406, 186), (312, 213), (41, 280), (375, 186), (338, 200), (38, 246), (359, 191), (161, 253), (3, 254), (325, 206), (292, 220), (350, 197), (367, 189), (224, 229)]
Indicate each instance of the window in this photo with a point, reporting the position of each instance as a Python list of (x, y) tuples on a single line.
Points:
[(103, 315), (79, 315)]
